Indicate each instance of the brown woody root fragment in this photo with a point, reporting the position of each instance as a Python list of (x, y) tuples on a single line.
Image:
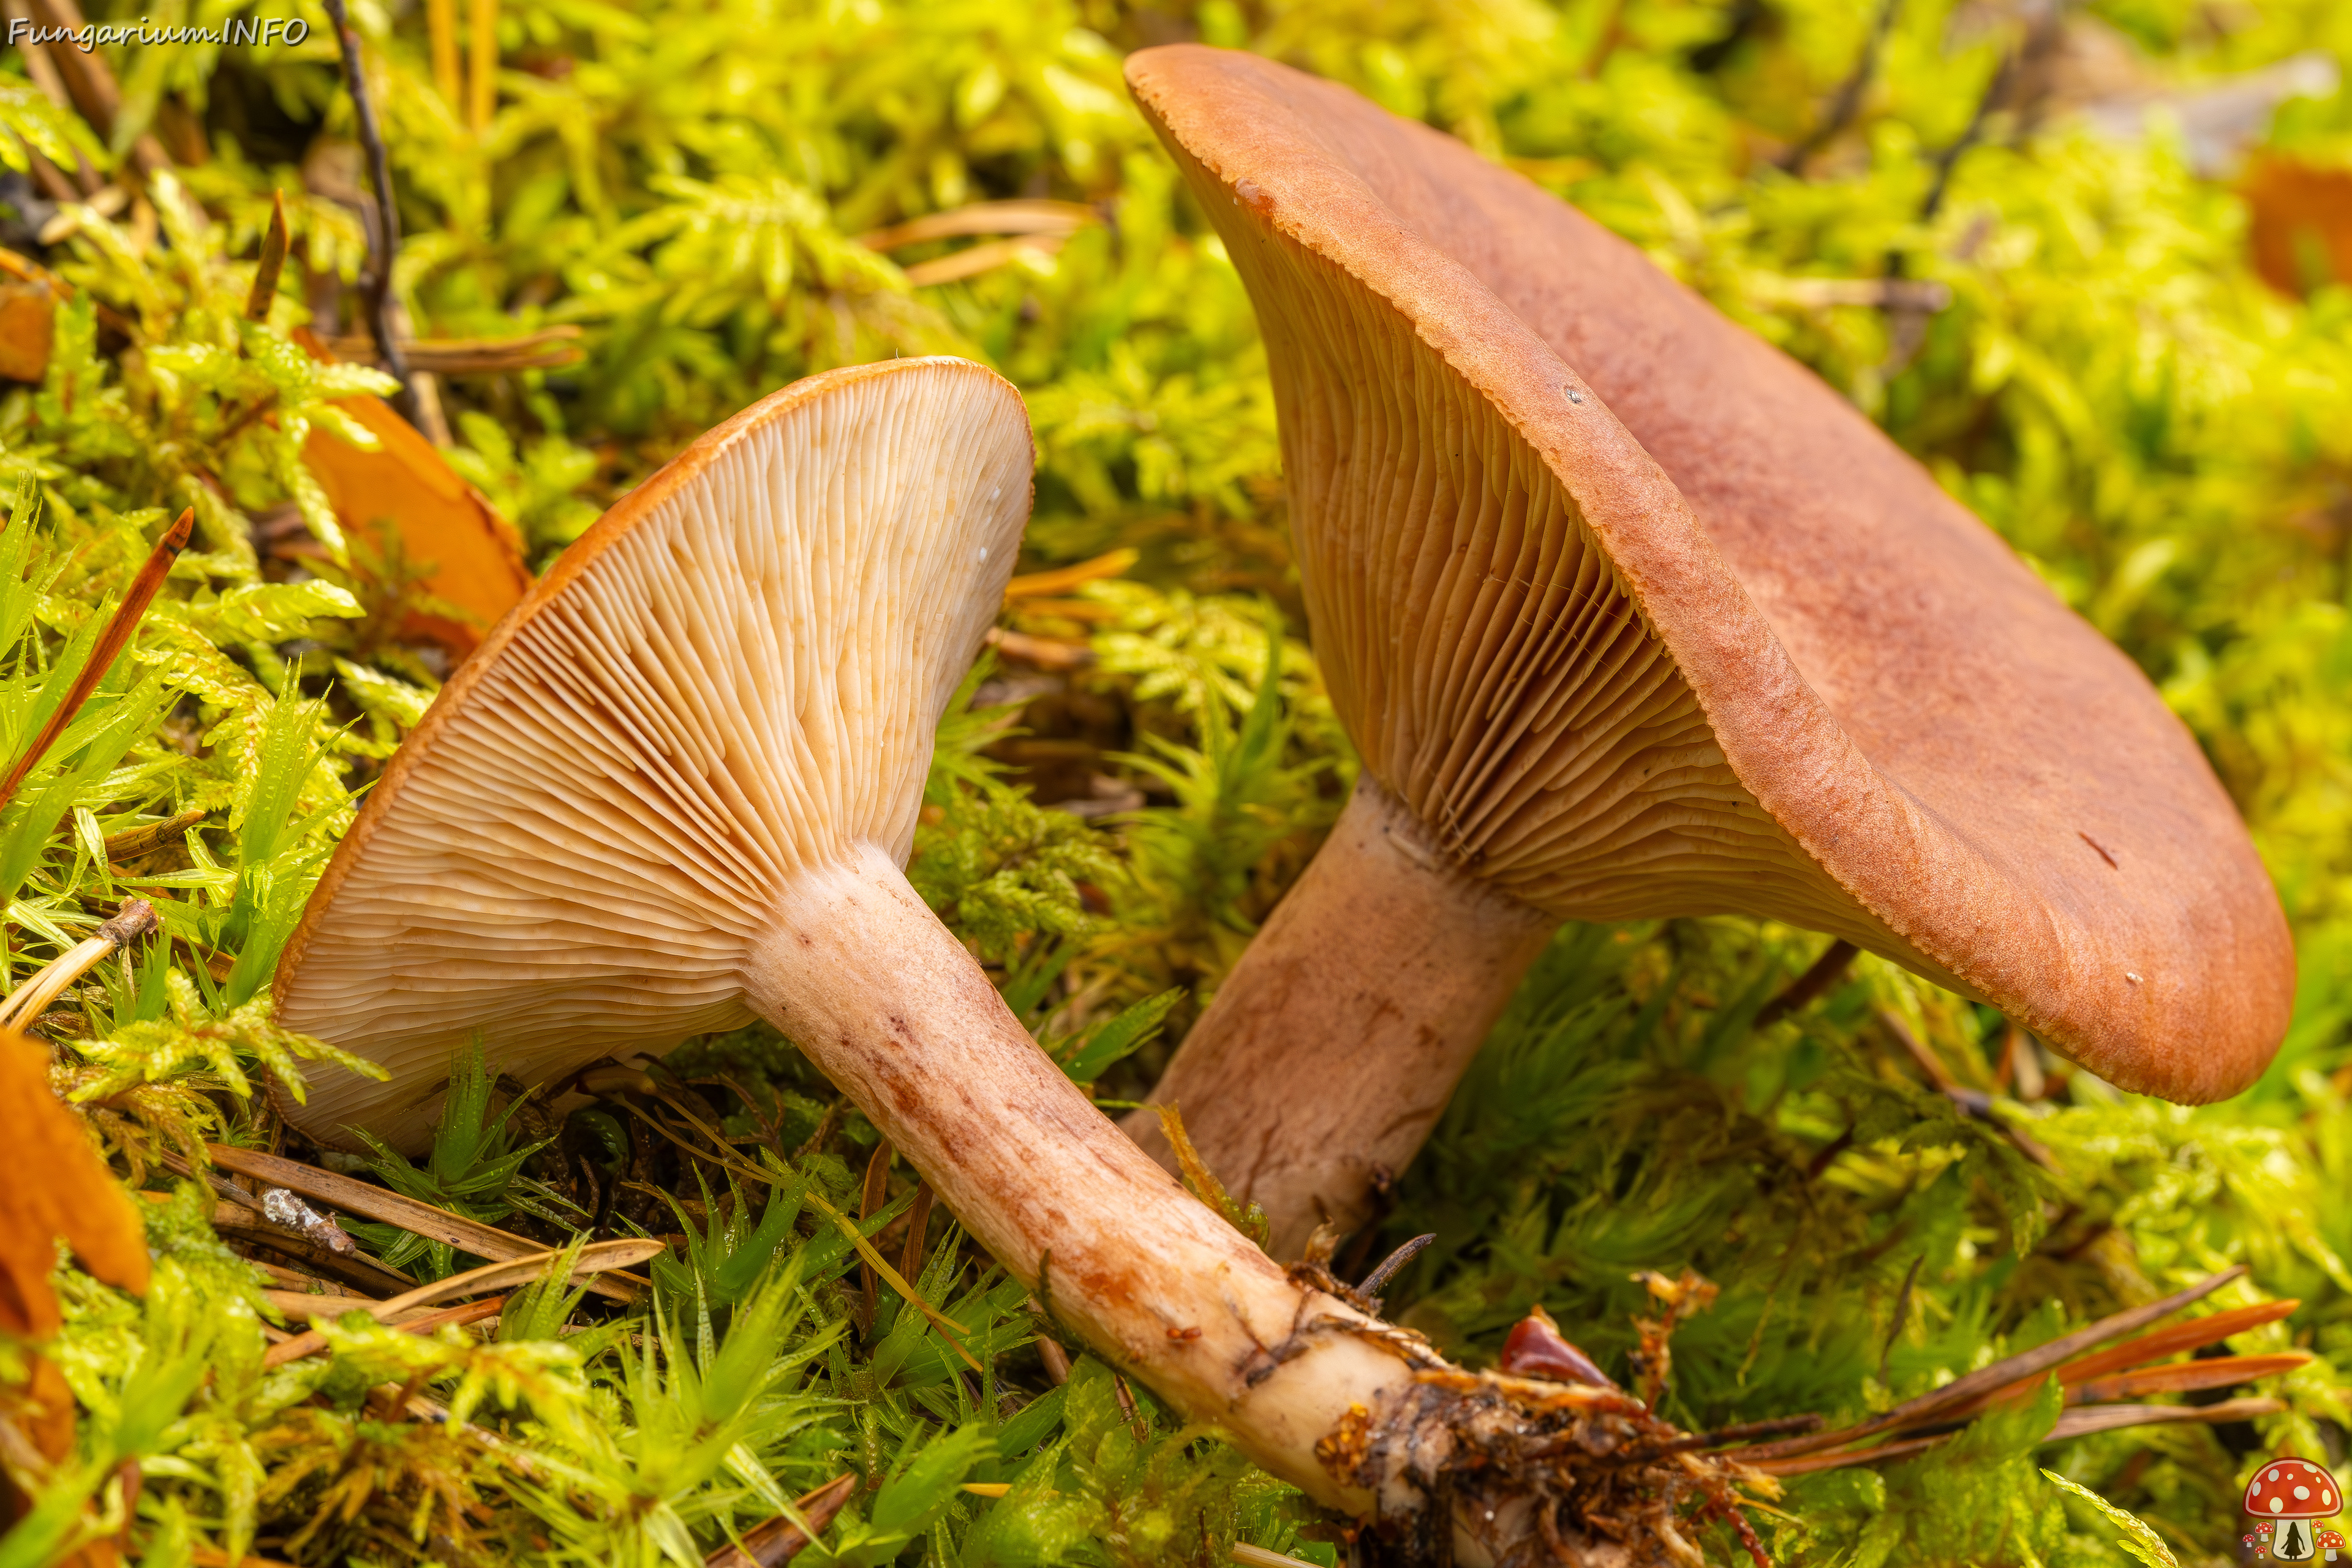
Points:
[(29, 1001), (783, 1538), (110, 646), (381, 1203)]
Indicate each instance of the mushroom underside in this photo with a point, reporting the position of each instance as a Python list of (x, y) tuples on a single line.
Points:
[(1484, 652), (734, 679)]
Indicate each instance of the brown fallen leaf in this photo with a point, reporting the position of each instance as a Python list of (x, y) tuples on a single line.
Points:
[(476, 555), (27, 328), (2300, 227), (57, 1187)]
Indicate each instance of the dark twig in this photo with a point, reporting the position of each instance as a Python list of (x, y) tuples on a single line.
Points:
[(1970, 1102), (1965, 1391), (111, 644), (1807, 987), (272, 263), (1848, 101), (1125, 1397), (1995, 95), (783, 1538), (386, 238), (1723, 1438), (1378, 1279), (2042, 35), (871, 1200), (1901, 1314)]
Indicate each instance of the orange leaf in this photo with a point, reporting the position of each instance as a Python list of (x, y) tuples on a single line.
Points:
[(2301, 229), (57, 1187), (476, 555), (27, 326)]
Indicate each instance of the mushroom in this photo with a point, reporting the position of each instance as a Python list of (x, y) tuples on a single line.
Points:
[(1630, 615), (672, 792), (2287, 1494)]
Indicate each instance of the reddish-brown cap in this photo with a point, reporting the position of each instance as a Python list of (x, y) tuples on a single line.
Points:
[(1684, 633), (732, 677)]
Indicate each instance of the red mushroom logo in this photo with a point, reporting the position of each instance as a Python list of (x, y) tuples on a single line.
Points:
[(2331, 1542), (2288, 1493)]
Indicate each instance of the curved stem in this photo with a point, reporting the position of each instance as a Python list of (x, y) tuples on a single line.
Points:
[(1336, 1042), (889, 1005)]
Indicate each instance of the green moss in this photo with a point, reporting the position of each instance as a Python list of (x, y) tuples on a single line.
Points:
[(2166, 439)]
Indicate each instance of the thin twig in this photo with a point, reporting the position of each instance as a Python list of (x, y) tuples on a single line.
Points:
[(111, 644), (1968, 1392), (546, 349), (482, 91), (133, 842), (2040, 36), (594, 1258), (871, 1198), (1823, 974), (1849, 94), (382, 1205), (135, 920), (783, 1538), (266, 271), (387, 230)]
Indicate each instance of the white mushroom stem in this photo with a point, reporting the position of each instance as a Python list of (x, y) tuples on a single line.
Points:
[(889, 1005), (1323, 1079)]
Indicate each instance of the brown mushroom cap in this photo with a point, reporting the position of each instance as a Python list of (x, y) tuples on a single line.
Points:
[(1783, 674), (734, 675)]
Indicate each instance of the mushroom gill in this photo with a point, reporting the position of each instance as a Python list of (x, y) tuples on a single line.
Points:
[(731, 681), (1483, 652)]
